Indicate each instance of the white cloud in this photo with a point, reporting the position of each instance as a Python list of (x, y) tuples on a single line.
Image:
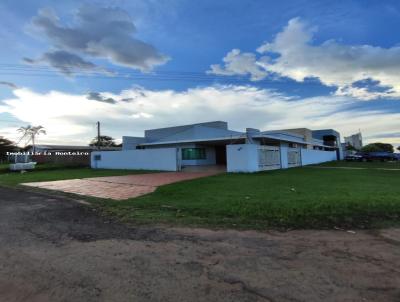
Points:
[(293, 54), (138, 109), (237, 63)]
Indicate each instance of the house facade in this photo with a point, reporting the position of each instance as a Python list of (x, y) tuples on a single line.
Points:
[(214, 144)]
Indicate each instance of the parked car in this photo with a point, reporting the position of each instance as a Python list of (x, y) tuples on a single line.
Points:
[(372, 156), (396, 156), (380, 156), (354, 157)]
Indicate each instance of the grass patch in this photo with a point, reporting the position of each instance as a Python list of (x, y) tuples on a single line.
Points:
[(368, 165), (293, 198), (49, 172), (3, 168)]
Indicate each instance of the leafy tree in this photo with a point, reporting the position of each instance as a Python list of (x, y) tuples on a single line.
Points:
[(105, 141), (29, 133), (350, 147), (6, 146), (398, 148), (378, 147)]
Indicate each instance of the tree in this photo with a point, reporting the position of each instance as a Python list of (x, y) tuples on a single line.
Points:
[(350, 147), (378, 147), (105, 141), (30, 132), (398, 148), (6, 146)]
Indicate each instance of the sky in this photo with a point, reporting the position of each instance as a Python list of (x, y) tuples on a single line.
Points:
[(136, 65)]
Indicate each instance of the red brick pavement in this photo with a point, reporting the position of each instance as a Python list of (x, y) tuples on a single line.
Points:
[(118, 187)]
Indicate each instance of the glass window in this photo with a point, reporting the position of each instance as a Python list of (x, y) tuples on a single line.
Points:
[(193, 153)]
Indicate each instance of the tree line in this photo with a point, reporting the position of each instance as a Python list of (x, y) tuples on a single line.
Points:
[(29, 132), (374, 147)]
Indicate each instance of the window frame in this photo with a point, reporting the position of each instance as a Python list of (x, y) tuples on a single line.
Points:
[(196, 153)]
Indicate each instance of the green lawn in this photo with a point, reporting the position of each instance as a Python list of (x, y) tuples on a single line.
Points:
[(48, 172), (368, 165), (309, 197), (294, 198)]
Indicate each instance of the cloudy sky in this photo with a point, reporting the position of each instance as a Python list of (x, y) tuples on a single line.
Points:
[(134, 65)]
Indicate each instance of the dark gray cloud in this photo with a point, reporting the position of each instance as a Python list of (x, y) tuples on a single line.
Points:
[(102, 33), (29, 60), (127, 99), (96, 96), (65, 62), (9, 84)]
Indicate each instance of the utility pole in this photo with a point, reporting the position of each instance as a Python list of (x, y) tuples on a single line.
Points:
[(98, 135), (33, 143)]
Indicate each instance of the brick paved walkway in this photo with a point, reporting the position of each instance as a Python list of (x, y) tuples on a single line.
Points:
[(118, 187)]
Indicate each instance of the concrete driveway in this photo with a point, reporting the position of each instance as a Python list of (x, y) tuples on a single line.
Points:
[(119, 187), (55, 250)]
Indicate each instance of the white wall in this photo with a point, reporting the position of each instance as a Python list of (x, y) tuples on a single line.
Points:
[(242, 158), (309, 157), (147, 159)]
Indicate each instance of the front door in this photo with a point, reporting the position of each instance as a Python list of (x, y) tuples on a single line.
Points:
[(220, 155)]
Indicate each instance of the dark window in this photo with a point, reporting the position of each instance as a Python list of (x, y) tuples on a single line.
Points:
[(193, 153)]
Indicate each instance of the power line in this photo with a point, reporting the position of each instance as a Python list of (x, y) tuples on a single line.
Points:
[(51, 68), (116, 73), (46, 71), (153, 78), (161, 79), (129, 76)]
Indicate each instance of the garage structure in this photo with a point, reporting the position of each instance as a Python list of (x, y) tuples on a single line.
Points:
[(180, 148)]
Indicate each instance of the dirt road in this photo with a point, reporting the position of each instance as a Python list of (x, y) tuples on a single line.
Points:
[(54, 249)]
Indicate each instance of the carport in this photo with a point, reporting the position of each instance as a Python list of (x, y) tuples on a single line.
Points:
[(198, 155)]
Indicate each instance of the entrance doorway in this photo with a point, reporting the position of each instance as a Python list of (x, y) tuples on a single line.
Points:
[(220, 155)]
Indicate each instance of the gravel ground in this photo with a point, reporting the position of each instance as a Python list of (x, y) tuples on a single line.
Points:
[(55, 249)]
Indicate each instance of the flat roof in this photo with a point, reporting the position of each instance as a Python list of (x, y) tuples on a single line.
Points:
[(194, 140), (237, 137), (188, 125)]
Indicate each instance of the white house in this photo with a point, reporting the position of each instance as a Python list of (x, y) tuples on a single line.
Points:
[(213, 144)]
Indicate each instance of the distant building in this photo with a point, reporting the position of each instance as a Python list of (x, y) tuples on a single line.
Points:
[(355, 140)]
